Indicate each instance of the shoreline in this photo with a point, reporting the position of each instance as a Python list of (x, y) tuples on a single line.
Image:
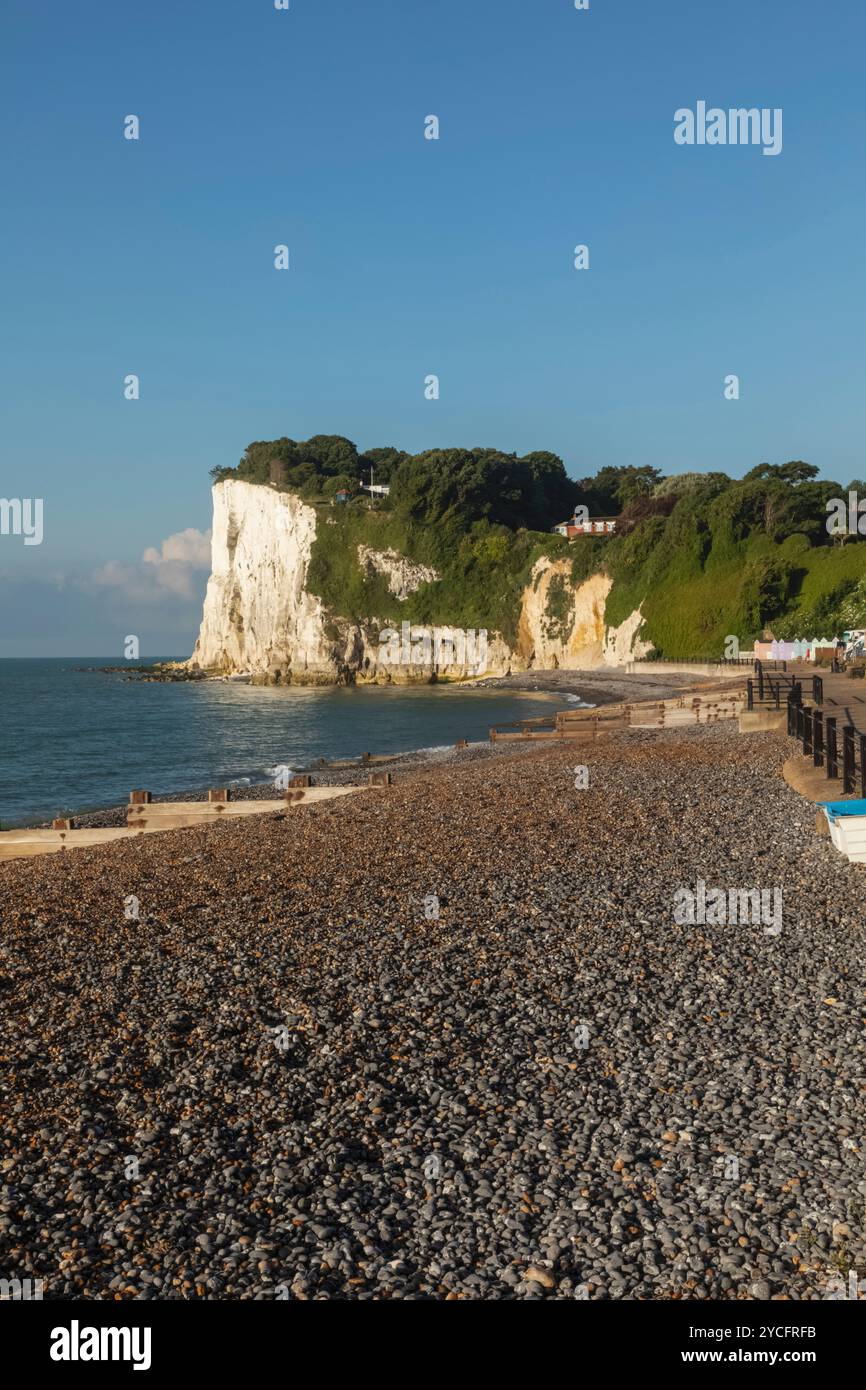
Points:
[(342, 772), (608, 684), (592, 688), (602, 686)]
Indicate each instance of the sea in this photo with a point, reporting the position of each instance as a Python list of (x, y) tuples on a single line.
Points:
[(76, 739)]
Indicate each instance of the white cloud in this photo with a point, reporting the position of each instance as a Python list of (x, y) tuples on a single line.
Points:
[(158, 598), (189, 547), (174, 568)]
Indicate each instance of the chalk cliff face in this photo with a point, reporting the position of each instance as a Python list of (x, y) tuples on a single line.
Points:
[(624, 643), (259, 617), (560, 625), (403, 576)]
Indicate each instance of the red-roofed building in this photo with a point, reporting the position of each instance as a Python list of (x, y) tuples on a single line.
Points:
[(592, 526)]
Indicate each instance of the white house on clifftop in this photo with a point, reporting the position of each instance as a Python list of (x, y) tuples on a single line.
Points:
[(583, 525)]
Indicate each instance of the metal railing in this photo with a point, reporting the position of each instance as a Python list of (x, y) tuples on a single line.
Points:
[(819, 736), (768, 689)]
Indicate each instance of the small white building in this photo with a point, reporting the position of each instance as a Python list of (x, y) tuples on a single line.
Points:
[(580, 525)]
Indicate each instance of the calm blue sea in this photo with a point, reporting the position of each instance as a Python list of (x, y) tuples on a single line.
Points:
[(80, 740)]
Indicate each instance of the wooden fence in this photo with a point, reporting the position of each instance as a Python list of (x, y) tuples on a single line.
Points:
[(609, 719)]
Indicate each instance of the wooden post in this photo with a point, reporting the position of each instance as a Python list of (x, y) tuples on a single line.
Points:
[(63, 823), (379, 779), (848, 758), (818, 738), (140, 798), (792, 716), (832, 752), (219, 794)]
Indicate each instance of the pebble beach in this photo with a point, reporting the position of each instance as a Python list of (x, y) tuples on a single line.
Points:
[(445, 1040)]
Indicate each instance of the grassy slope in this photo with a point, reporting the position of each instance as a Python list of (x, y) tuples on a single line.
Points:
[(691, 609)]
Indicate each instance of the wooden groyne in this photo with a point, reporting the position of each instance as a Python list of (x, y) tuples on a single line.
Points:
[(174, 815), (590, 724), (146, 816), (25, 844)]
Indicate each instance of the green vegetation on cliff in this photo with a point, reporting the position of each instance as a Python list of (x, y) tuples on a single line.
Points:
[(702, 555), (736, 557), (483, 569)]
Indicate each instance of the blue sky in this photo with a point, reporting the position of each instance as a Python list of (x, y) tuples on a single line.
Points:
[(408, 257)]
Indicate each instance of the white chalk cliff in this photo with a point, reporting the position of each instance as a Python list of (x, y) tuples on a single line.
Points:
[(260, 618), (403, 575)]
